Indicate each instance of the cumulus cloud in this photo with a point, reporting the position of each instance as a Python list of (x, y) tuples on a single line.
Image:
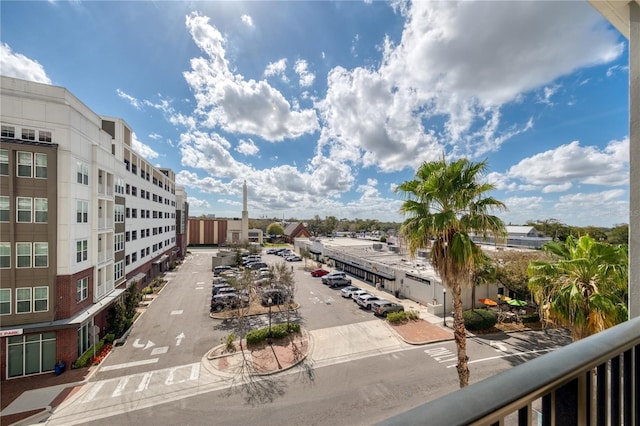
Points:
[(247, 147), (307, 78), (236, 105), (575, 163), (19, 66), (584, 207), (197, 203)]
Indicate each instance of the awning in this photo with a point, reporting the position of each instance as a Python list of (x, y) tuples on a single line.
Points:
[(81, 317), (162, 259), (137, 277)]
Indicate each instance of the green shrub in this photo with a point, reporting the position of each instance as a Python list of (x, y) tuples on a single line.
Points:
[(109, 338), (147, 290), (412, 315), (277, 331), (530, 318), (479, 319), (84, 359), (396, 317)]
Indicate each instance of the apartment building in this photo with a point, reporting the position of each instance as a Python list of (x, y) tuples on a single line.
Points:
[(82, 216)]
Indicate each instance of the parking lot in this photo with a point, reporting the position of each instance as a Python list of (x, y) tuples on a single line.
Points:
[(319, 306)]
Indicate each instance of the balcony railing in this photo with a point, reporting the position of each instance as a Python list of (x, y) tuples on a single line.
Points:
[(594, 381)]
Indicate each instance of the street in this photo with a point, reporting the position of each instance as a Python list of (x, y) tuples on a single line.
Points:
[(358, 371)]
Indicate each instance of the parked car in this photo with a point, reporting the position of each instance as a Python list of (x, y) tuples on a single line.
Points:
[(257, 265), (284, 253), (348, 291), (219, 289), (365, 300), (319, 272), (355, 294), (339, 282), (224, 301), (271, 251), (277, 296), (220, 269), (383, 307), (331, 275), (293, 258)]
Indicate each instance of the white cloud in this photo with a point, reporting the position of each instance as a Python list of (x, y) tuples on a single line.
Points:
[(277, 68), (145, 150), (611, 205), (247, 147), (130, 99), (154, 136), (19, 66), (557, 188), (547, 93), (306, 77), (575, 163), (247, 20), (197, 203), (228, 101)]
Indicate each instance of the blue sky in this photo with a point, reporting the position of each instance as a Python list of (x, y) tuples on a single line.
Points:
[(323, 107)]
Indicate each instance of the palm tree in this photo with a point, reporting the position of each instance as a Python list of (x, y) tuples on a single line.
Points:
[(443, 204), (584, 286)]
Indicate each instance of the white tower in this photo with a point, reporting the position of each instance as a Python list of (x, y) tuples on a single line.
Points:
[(245, 214)]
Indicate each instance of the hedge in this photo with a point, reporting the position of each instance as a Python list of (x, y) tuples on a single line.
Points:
[(84, 359), (479, 319), (277, 331), (402, 316)]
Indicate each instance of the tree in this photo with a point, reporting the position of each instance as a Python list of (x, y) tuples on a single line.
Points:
[(444, 203), (584, 286), (511, 269), (275, 229), (484, 272), (619, 234)]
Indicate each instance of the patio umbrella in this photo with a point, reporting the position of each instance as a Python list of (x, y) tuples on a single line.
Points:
[(516, 302), (488, 302)]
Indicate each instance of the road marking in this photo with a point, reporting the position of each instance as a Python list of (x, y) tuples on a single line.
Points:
[(130, 364), (200, 283), (179, 338), (501, 347), (179, 312), (121, 385), (159, 351), (507, 355), (441, 355), (137, 344), (144, 383), (148, 345), (94, 391), (169, 380), (195, 372)]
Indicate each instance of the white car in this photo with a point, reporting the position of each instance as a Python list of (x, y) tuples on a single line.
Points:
[(293, 258), (348, 291), (365, 300), (355, 294)]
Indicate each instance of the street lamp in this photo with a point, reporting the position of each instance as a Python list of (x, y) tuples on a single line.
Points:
[(270, 302), (444, 307)]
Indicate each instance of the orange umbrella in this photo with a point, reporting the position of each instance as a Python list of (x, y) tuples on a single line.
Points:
[(488, 302)]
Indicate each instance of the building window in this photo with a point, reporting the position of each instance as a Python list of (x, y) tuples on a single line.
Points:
[(40, 255), (44, 136), (82, 289), (134, 257), (8, 132), (118, 213), (41, 166), (23, 300), (4, 162), (40, 299), (118, 242), (119, 186), (41, 210), (82, 249), (25, 164), (23, 255), (5, 255), (5, 301), (82, 211), (31, 354), (23, 207), (4, 208), (134, 191), (118, 271), (82, 172), (28, 134), (127, 260), (134, 213), (134, 235)]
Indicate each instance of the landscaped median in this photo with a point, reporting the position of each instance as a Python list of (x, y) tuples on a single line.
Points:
[(255, 308), (288, 347)]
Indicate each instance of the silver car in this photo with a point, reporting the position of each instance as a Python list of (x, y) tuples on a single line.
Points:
[(348, 291)]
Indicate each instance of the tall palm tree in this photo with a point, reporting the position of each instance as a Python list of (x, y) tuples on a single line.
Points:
[(443, 204), (584, 287)]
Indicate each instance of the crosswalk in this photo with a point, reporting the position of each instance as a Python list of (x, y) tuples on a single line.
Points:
[(137, 383)]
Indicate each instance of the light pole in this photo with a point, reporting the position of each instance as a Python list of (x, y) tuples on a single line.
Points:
[(270, 301), (444, 307)]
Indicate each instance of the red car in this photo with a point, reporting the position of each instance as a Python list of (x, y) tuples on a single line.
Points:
[(319, 272)]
